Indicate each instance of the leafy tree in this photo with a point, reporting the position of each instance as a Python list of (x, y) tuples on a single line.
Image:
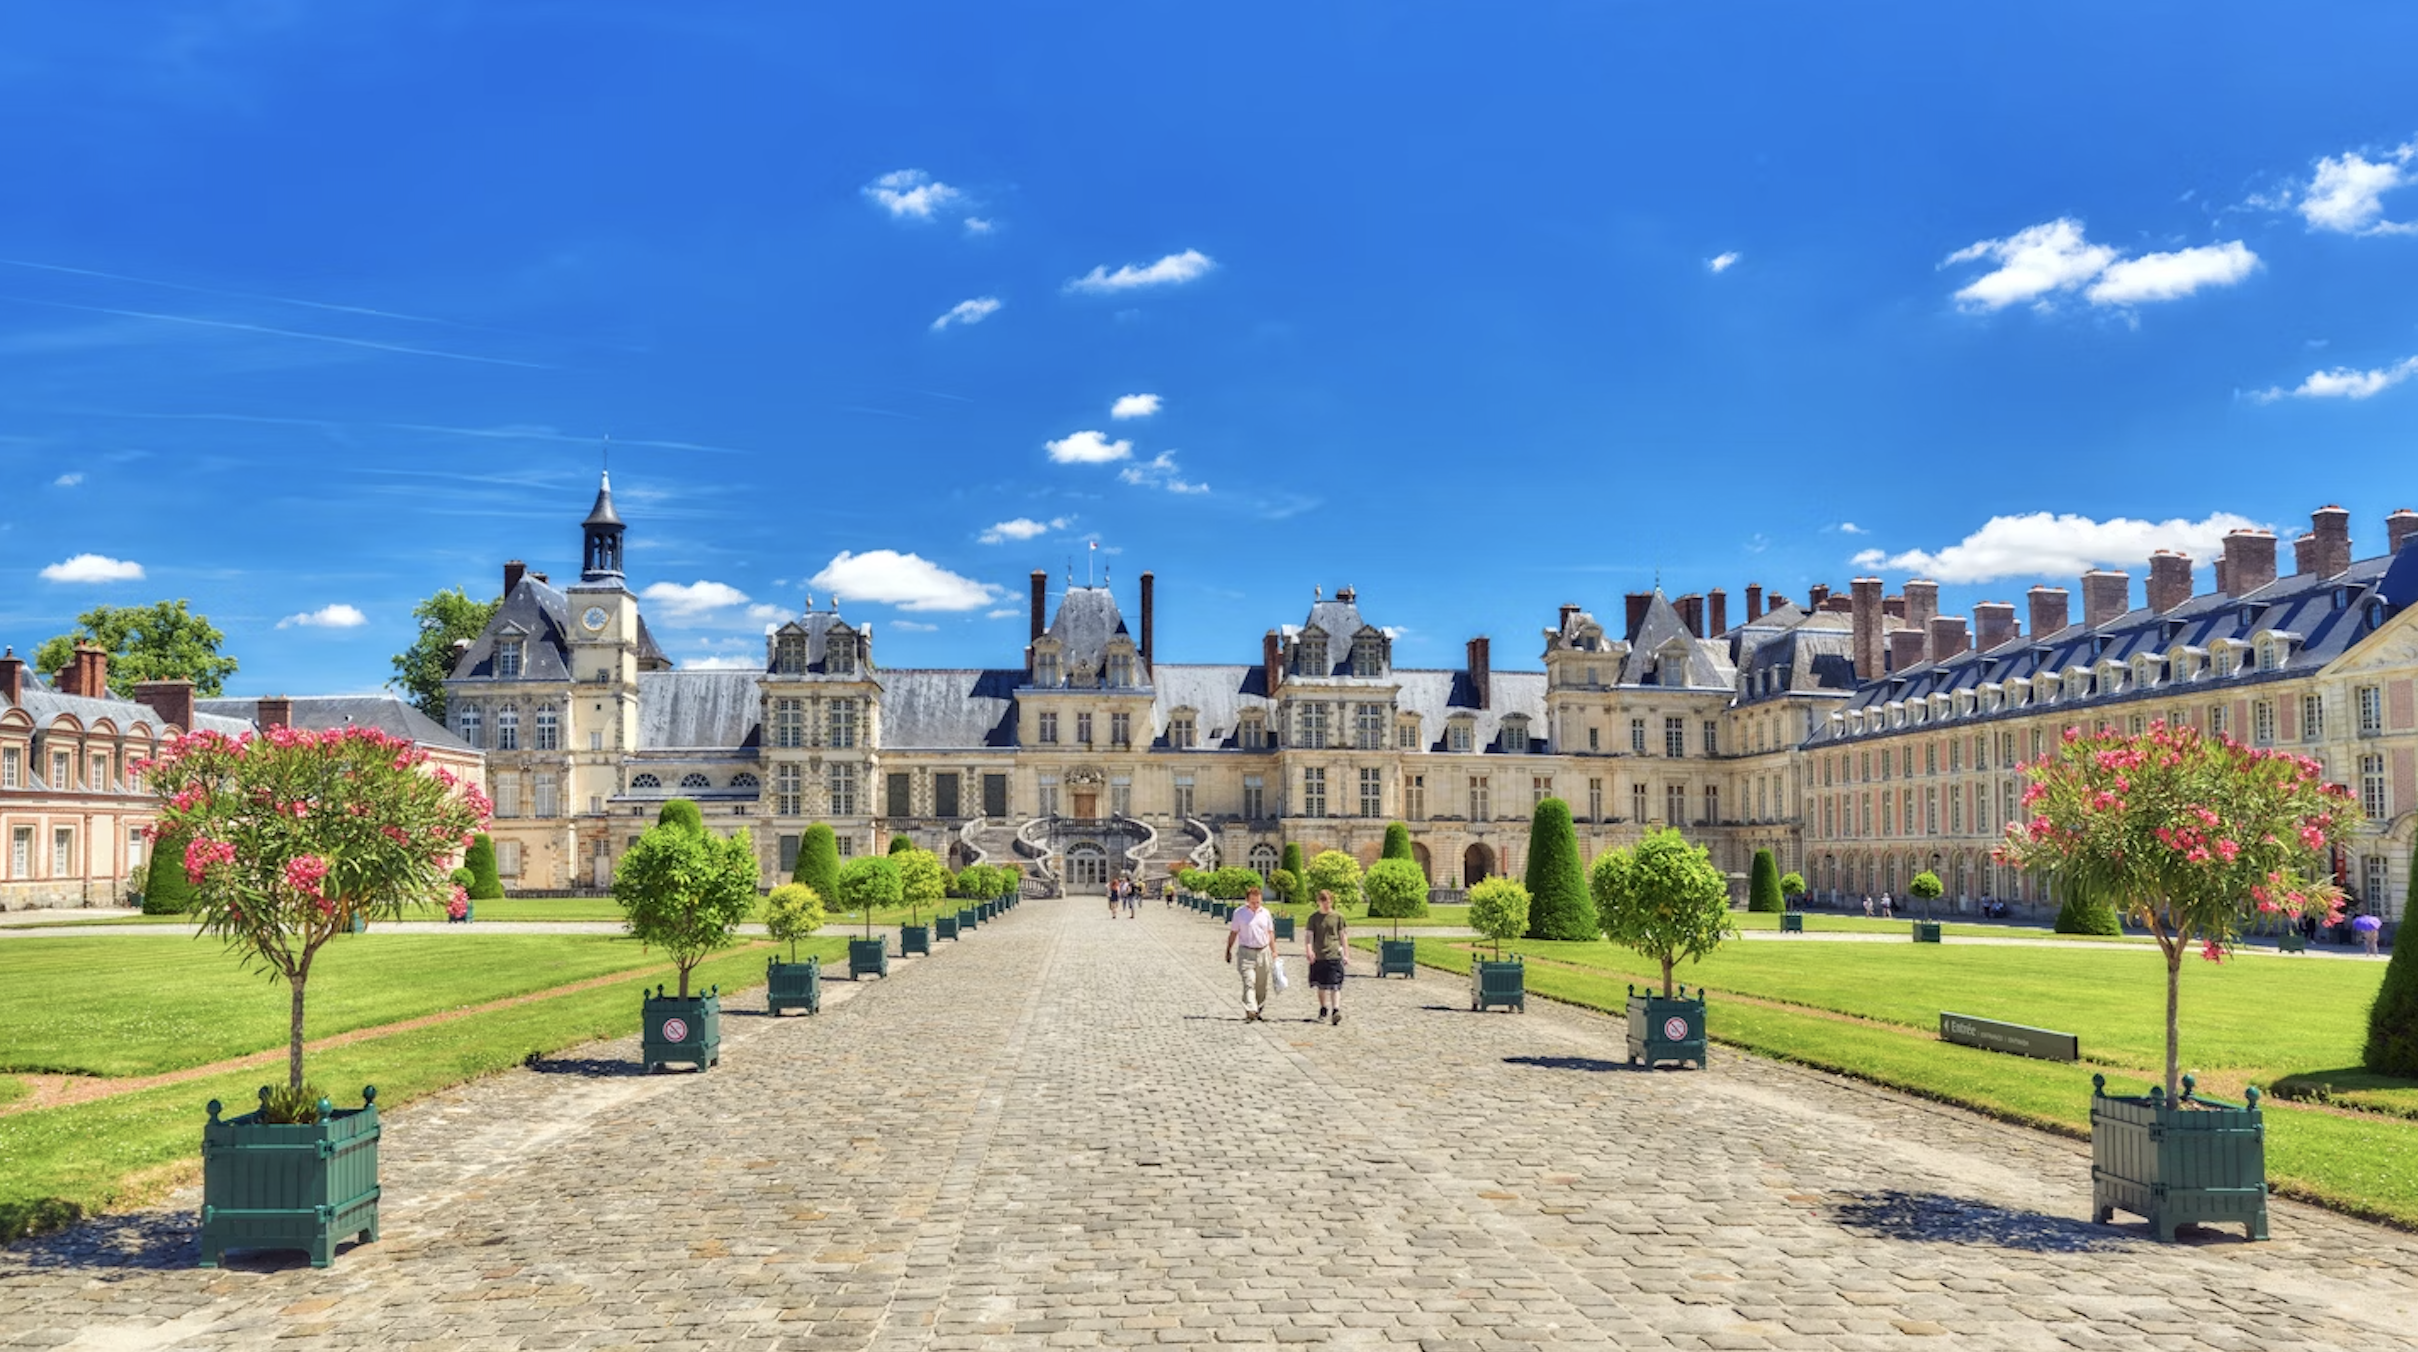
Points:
[(162, 641), (1232, 883), (1193, 880), (1336, 872), (922, 880), (2392, 1020), (444, 620), (1286, 885), (485, 883), (1558, 905), (683, 889), (1396, 889), (1663, 898), (869, 883), (901, 843), (791, 913), (1291, 862), (819, 861), (1925, 888), (1006, 881), (1763, 884), (166, 890), (1398, 843), (1498, 909), (1792, 886), (970, 882)]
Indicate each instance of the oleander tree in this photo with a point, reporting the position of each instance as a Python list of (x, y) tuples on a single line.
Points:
[(1396, 890), (2189, 835), (1664, 898), (289, 834), (791, 913), (1558, 905), (869, 883), (1498, 910), (685, 890), (1763, 884), (1336, 872)]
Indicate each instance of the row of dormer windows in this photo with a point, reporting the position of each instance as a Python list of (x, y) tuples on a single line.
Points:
[(2225, 658)]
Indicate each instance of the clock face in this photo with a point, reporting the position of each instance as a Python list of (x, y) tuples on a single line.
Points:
[(594, 619)]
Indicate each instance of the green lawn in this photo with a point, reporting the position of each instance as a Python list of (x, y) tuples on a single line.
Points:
[(1837, 922), (58, 1162), (1438, 917)]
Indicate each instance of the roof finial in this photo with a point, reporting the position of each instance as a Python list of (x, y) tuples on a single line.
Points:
[(810, 600), (608, 455), (1317, 592)]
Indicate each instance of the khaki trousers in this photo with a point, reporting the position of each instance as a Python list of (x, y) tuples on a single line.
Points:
[(1257, 967)]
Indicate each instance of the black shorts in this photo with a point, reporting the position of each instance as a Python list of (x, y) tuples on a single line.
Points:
[(1326, 974)]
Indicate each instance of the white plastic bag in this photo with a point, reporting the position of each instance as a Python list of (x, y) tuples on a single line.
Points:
[(1281, 983)]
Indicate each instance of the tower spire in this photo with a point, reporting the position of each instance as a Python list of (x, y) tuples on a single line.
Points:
[(600, 535)]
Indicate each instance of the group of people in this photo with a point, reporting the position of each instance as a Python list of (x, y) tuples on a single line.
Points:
[(1123, 892), (1251, 948)]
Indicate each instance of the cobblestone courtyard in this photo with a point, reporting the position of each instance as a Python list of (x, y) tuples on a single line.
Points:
[(1059, 1132)]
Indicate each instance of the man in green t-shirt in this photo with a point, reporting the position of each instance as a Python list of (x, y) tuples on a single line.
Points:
[(1323, 944)]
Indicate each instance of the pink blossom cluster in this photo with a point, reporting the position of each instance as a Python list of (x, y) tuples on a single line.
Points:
[(304, 872), (203, 853)]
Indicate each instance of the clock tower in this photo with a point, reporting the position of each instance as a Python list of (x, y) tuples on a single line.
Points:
[(604, 655)]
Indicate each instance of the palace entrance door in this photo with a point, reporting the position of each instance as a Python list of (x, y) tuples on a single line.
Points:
[(1086, 868)]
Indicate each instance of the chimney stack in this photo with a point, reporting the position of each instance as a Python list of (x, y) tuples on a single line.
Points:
[(1691, 613), (2249, 561), (2304, 553), (1947, 636), (1639, 604), (2398, 528), (12, 677), (2169, 580), (1716, 613), (1040, 603), (1894, 606), (1905, 648), (1480, 679), (171, 700), (1773, 602), (2107, 593), (1816, 597), (1838, 605), (1272, 661), (1993, 624), (2049, 611), (275, 711), (1149, 596), (86, 673), (2331, 526), (514, 569), (1922, 603), (1754, 602), (1869, 654), (1568, 610)]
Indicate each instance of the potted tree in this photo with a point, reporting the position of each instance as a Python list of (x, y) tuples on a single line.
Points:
[(1329, 871), (1396, 889), (922, 882), (1007, 884), (2190, 836), (868, 884), (791, 913), (684, 890), (287, 837), (1665, 899), (1792, 886), (1924, 887), (1498, 909), (975, 887)]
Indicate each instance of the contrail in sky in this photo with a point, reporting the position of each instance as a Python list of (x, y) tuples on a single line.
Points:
[(277, 332)]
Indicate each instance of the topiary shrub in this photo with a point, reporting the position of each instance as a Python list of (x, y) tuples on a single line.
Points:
[(819, 862), (870, 883), (2393, 1019), (1285, 885), (683, 813), (1558, 904), (1498, 909), (1336, 872), (922, 880), (1396, 890), (487, 885), (1763, 884), (901, 843), (1232, 883), (1792, 886), (1398, 844), (1291, 862), (791, 913), (2084, 914), (166, 890)]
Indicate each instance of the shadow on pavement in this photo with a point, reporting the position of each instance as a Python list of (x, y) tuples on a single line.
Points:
[(140, 1239), (1587, 1063), (1934, 1218), (587, 1067)]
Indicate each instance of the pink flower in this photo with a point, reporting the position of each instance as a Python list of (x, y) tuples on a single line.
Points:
[(2227, 850), (304, 872), (2312, 837), (2212, 952)]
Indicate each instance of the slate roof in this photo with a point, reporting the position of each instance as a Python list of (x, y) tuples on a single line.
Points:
[(42, 703), (1804, 653), (542, 613), (1707, 661), (701, 709), (1217, 694), (1086, 620), (933, 708), (389, 714), (816, 625)]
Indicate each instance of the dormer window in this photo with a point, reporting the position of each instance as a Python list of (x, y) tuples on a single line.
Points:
[(2272, 652), (1515, 735), (1120, 670), (789, 653), (1368, 655), (839, 652), (508, 660), (1045, 669), (1458, 735), (1181, 726), (1312, 656), (1406, 733), (1253, 731)]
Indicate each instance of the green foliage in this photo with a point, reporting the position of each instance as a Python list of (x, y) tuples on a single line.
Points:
[(162, 641), (791, 913), (683, 813), (463, 878), (1663, 898), (685, 890), (819, 861), (2392, 1046), (901, 843), (869, 883), (1287, 886), (1006, 881), (290, 1104), (445, 619), (1792, 885), (971, 882), (485, 883), (1291, 861), (165, 888), (1398, 843), (1193, 880), (1763, 884), (1336, 872), (1230, 883), (922, 879), (1559, 907), (1924, 886), (1396, 890), (1498, 909)]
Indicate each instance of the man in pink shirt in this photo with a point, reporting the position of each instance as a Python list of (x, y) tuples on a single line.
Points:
[(1250, 946)]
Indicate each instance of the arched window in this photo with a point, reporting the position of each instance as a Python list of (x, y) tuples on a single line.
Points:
[(508, 728), (743, 780), (645, 782), (472, 732), (693, 780), (1263, 859)]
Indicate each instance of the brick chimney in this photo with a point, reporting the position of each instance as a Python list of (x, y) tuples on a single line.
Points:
[(1870, 663), (1716, 613), (1272, 660), (1149, 608), (12, 677), (1480, 677), (1838, 605), (1922, 603), (274, 711), (2331, 526), (2049, 610), (1816, 597), (2249, 561), (86, 673), (2106, 594), (1894, 606), (1691, 613), (2169, 580), (171, 700), (1639, 604), (1773, 602), (2398, 529), (1754, 602), (2304, 554), (1947, 636), (1906, 648), (1040, 603), (514, 570), (1993, 624)]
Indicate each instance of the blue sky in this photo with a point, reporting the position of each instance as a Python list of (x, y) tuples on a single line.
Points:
[(309, 310)]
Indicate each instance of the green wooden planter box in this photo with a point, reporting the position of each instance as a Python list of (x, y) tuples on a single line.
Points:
[(359, 924), (2194, 1161), (1398, 957), (1792, 922), (868, 957), (1664, 1030), (1218, 910), (2292, 941), (1926, 931), (290, 1186), (968, 919), (1284, 927), (944, 927), (1498, 983), (793, 985), (915, 939), (673, 1028)]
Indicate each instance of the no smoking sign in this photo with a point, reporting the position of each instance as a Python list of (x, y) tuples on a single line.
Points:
[(675, 1030), (1675, 1029)]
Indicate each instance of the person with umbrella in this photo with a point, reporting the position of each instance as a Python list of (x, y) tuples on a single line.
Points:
[(2369, 927)]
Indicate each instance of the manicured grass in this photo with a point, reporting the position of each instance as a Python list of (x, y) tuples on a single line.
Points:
[(119, 1007), (1437, 917), (58, 1162), (11, 1089), (1838, 922)]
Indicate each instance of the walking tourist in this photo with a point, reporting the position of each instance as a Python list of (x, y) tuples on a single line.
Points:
[(1887, 907), (1324, 947), (1868, 905), (1112, 898), (1127, 888), (1250, 940), (2368, 927)]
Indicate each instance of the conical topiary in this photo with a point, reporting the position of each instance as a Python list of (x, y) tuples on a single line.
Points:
[(1763, 884), (901, 843), (1398, 844), (682, 813), (2082, 914), (166, 890), (819, 862), (1558, 904), (1292, 861), (480, 860)]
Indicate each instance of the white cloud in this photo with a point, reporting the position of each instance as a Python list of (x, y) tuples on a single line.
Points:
[(764, 614), (1851, 528), (1128, 406), (696, 600), (1023, 528), (911, 193), (338, 616), (733, 663), (1088, 448), (907, 581), (94, 568), (1160, 473), (2345, 382), (968, 312), (2057, 545), (1173, 270), (915, 626), (1003, 613), (2172, 276), (67, 481), (2032, 263), (2344, 194), (976, 225), (1722, 262)]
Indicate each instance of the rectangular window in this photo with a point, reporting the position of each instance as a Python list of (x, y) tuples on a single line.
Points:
[(508, 858), (11, 768), (1540, 788), (2372, 882), (1255, 797), (788, 790), (2370, 699), (1712, 804), (1956, 811), (1048, 792), (898, 792), (789, 853), (1931, 812), (847, 844), (1083, 729), (2216, 725), (1595, 741), (2312, 718), (1120, 730), (97, 779), (2136, 725), (1712, 738), (1481, 798), (1829, 818), (61, 778), (508, 728), (508, 795), (2371, 787), (1414, 797), (1406, 735), (1179, 731), (1456, 735), (1313, 720), (841, 781), (546, 804), (21, 852), (1048, 724), (1314, 792), (1888, 813), (1183, 795), (1637, 736), (1674, 737), (549, 728), (1372, 791), (1595, 800), (1675, 804), (134, 850), (508, 661), (1637, 802), (2262, 723), (1368, 727), (62, 851), (843, 723), (1515, 736), (789, 723), (944, 796), (1864, 815), (994, 795), (1120, 796), (1931, 758)]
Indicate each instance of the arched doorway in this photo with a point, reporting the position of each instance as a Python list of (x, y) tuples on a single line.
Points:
[(1477, 865), (1427, 865), (1086, 868), (1263, 859)]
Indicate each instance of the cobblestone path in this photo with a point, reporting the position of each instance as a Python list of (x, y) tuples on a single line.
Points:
[(1059, 1133)]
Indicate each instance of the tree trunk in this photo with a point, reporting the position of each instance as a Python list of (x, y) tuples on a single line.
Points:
[(1666, 978), (2174, 982), (293, 1047), (684, 981)]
